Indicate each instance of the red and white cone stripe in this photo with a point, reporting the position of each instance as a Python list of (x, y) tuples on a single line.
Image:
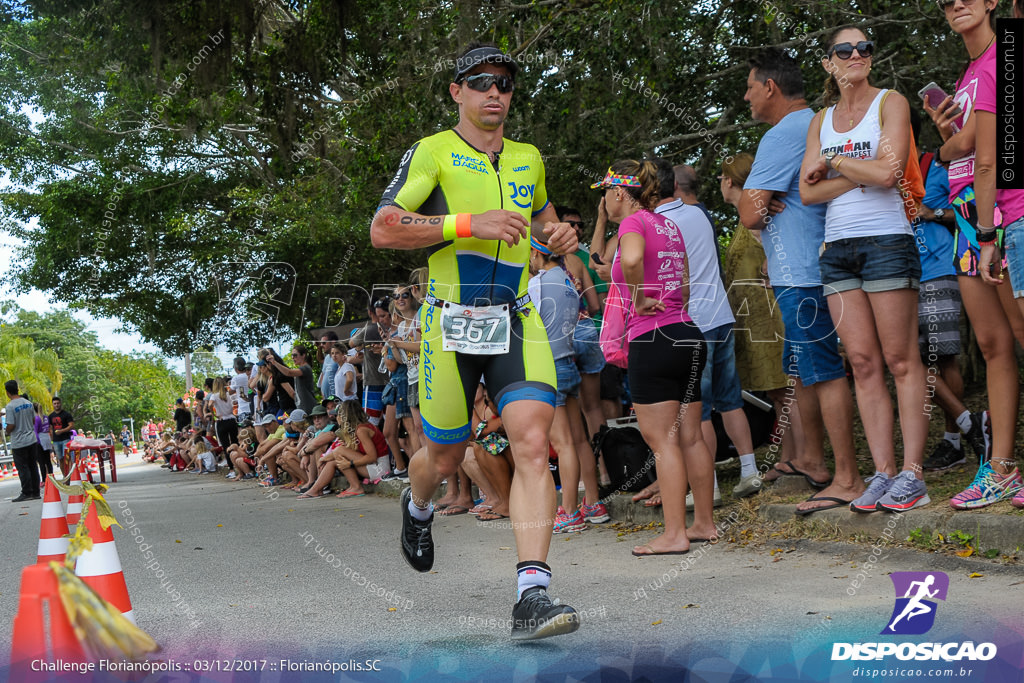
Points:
[(101, 567), (53, 531), (75, 500)]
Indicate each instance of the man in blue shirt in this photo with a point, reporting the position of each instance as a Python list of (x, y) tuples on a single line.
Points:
[(791, 238)]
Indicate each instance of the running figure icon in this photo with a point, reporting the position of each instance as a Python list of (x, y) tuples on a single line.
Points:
[(916, 604), (916, 607)]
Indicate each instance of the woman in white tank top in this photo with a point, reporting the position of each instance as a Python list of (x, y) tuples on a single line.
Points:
[(856, 152)]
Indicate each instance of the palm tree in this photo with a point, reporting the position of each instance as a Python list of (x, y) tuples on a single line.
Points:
[(37, 371)]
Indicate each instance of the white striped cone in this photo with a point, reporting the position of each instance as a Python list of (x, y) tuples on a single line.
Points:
[(101, 567), (75, 500), (53, 531), (83, 470), (3, 472), (94, 467)]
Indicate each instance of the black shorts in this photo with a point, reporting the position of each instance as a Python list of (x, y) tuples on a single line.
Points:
[(611, 382), (666, 364)]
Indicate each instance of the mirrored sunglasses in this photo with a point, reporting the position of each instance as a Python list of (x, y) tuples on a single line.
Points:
[(483, 82)]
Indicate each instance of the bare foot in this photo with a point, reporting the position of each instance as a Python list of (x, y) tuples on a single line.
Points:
[(646, 493), (816, 474), (663, 544), (446, 500), (701, 534), (848, 494), (654, 501)]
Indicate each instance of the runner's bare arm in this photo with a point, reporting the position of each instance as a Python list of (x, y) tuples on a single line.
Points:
[(394, 228)]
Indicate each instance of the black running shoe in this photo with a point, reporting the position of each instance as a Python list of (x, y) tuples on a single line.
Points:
[(944, 456), (980, 436), (536, 616), (417, 545)]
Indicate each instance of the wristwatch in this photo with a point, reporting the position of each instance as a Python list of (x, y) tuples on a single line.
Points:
[(939, 214), (829, 156)]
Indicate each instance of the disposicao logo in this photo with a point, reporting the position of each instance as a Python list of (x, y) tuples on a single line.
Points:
[(914, 614), (916, 592)]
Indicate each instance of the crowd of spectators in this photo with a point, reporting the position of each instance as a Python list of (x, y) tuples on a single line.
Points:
[(856, 253)]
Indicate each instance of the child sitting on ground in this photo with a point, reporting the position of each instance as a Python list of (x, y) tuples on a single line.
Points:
[(203, 456)]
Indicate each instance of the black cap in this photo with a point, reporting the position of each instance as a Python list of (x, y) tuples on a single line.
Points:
[(179, 401), (330, 399), (484, 55)]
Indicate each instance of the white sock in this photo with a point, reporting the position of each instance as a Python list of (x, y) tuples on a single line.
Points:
[(422, 514), (530, 574), (748, 465), (716, 482), (953, 439), (963, 421)]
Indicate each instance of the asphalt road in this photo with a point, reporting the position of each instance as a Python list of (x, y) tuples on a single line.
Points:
[(243, 574)]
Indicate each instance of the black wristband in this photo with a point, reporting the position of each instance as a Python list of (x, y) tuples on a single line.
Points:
[(938, 155), (988, 236)]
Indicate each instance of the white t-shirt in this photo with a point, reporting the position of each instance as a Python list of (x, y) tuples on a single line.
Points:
[(257, 400), (240, 385), (708, 305), (407, 332), (339, 382), (222, 406)]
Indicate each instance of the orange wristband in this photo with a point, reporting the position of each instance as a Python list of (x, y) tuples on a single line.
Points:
[(462, 225)]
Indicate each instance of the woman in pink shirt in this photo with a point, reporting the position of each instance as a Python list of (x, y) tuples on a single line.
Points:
[(666, 351), (967, 124)]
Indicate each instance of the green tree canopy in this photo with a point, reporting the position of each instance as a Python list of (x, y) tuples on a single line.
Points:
[(53, 354)]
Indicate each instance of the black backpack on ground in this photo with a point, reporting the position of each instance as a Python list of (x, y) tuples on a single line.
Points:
[(628, 459)]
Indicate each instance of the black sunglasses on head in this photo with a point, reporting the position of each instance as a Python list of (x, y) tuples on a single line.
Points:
[(845, 50), (483, 82)]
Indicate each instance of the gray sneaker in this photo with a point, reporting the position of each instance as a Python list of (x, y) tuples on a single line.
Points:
[(906, 493), (748, 486), (878, 484)]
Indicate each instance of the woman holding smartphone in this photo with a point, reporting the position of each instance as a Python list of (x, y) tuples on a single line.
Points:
[(967, 124)]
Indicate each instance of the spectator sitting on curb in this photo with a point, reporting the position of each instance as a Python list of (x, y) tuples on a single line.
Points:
[(287, 459), (241, 455), (202, 456), (489, 461), (360, 444), (318, 437)]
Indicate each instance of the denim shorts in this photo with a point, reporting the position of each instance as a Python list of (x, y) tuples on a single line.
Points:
[(587, 347), (719, 383), (568, 380), (811, 351), (880, 263), (1013, 242)]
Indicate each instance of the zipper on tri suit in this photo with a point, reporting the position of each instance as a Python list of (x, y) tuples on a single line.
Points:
[(501, 198)]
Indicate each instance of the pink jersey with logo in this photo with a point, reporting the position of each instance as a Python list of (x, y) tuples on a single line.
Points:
[(664, 254), (976, 91)]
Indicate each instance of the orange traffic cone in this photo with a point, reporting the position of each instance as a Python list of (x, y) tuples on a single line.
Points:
[(75, 500), (83, 470), (100, 567), (94, 467), (3, 472), (53, 531), (29, 641)]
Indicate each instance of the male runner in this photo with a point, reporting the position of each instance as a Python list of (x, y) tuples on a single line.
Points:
[(472, 197)]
